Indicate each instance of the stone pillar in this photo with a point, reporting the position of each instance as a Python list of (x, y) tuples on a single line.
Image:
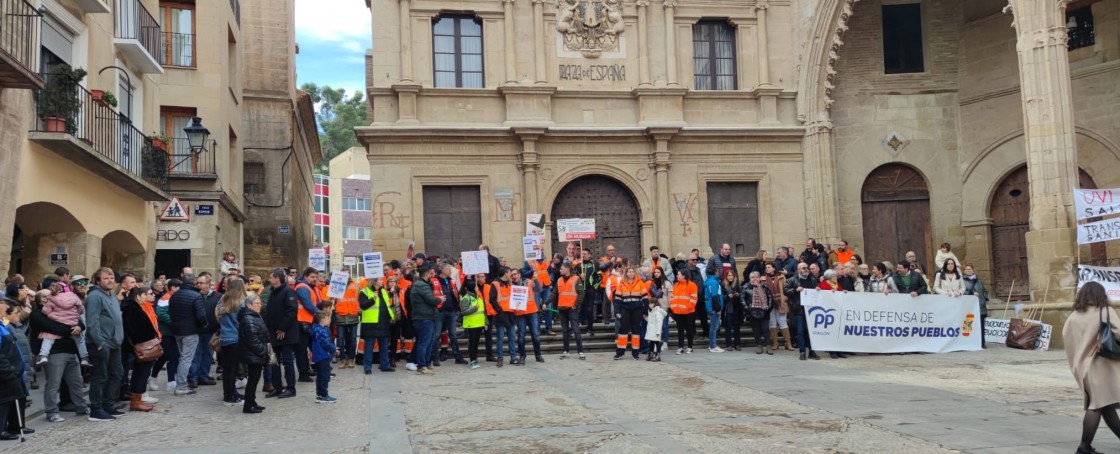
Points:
[(529, 163), (670, 43), (1051, 146), (406, 40), (822, 213), (660, 162), (14, 106), (539, 56), (763, 45), (511, 52), (643, 42)]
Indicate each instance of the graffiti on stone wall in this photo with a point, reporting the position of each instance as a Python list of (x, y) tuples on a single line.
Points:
[(686, 210), (385, 214)]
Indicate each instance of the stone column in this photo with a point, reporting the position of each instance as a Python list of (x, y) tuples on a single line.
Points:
[(406, 40), (529, 164), (1051, 146), (670, 43), (660, 162), (763, 45), (539, 56), (511, 53), (643, 43), (822, 213)]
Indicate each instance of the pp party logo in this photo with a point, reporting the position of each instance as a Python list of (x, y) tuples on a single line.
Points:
[(823, 317)]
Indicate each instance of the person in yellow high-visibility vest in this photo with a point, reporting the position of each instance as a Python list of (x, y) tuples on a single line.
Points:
[(379, 312), (473, 310)]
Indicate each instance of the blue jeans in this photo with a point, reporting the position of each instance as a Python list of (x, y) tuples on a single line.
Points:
[(347, 341), (534, 325), (507, 333), (449, 321), (286, 356), (322, 377), (425, 332), (382, 351), (665, 330), (713, 330), (546, 315), (642, 332), (203, 358), (803, 334)]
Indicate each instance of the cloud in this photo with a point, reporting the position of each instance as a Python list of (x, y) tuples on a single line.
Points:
[(332, 20), (353, 46)]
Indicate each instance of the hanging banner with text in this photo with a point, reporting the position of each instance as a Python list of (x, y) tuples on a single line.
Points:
[(1108, 277), (575, 229), (895, 323), (1096, 232), (375, 268), (1091, 203), (995, 331)]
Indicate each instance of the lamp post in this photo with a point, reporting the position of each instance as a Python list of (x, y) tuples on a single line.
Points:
[(197, 135)]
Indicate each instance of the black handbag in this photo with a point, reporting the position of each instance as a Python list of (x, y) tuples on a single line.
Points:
[(1108, 347)]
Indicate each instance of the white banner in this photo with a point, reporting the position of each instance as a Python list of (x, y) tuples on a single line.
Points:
[(995, 330), (534, 247), (518, 297), (317, 258), (1096, 232), (338, 284), (1091, 203), (575, 229), (475, 262), (375, 267), (895, 323), (1108, 277)]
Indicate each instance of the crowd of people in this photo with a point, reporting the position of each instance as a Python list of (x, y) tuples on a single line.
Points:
[(120, 332)]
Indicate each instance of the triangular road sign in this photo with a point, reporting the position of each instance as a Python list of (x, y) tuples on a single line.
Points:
[(174, 211)]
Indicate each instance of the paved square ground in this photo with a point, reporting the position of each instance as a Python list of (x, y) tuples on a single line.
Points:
[(996, 401)]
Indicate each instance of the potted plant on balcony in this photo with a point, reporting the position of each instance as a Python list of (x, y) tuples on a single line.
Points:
[(154, 164), (105, 98), (160, 141), (58, 101)]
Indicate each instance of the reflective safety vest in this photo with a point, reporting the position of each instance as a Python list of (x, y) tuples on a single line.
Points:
[(478, 318), (302, 314), (530, 305), (631, 293), (684, 298), (541, 272), (610, 284), (349, 303), (490, 312), (503, 297), (566, 299), (373, 314)]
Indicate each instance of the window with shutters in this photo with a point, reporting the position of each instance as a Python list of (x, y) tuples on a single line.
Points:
[(1079, 27), (902, 39), (452, 219), (254, 178), (733, 217), (457, 51), (713, 55)]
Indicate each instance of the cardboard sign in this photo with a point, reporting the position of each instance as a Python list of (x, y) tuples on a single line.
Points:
[(995, 330), (518, 297), (534, 225), (534, 247), (475, 262), (1096, 232), (317, 258), (1108, 277), (375, 267), (1091, 203), (338, 284), (349, 261), (575, 229)]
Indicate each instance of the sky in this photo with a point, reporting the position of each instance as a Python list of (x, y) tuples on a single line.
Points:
[(333, 36)]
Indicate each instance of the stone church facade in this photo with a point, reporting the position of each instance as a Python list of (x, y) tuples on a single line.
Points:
[(893, 124)]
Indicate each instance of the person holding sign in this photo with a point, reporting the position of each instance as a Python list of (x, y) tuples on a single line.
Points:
[(567, 298), (379, 313), (504, 316), (474, 318), (629, 306), (528, 320), (1097, 376)]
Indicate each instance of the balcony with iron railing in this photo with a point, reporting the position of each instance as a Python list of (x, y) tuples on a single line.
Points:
[(183, 162), (236, 6), (139, 37), (73, 124), (179, 50), (20, 23)]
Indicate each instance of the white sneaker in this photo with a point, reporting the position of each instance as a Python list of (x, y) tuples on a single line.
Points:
[(582, 356), (171, 385), (565, 355), (148, 399), (410, 366), (240, 384), (688, 351), (85, 362), (680, 351), (152, 385), (42, 360), (715, 350)]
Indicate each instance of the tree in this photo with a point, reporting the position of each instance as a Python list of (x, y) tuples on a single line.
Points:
[(337, 115)]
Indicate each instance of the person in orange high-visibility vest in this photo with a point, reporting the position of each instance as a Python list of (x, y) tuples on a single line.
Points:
[(629, 301), (682, 306), (308, 306), (567, 299), (542, 273), (528, 320), (348, 316), (504, 320)]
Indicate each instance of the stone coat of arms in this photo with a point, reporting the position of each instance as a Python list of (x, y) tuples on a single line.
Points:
[(590, 27)]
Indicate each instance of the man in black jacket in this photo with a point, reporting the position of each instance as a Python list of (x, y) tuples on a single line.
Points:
[(803, 280), (62, 365), (909, 281), (188, 319), (282, 327), (204, 355)]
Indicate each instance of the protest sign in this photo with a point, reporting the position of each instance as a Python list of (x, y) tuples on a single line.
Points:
[(534, 247), (575, 229), (1096, 232), (375, 268), (995, 330), (534, 224), (349, 261), (475, 262), (895, 323), (1091, 203), (338, 284), (518, 297), (1108, 277), (317, 258)]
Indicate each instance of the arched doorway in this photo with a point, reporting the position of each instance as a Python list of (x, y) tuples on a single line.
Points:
[(896, 216), (123, 253), (614, 209), (1011, 213)]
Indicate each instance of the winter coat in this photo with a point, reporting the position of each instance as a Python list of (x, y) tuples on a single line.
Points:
[(138, 327), (655, 318), (229, 329), (188, 311), (12, 367), (104, 328), (713, 295), (283, 305), (789, 266), (163, 315), (917, 284), (720, 261), (424, 301), (64, 308), (941, 257), (951, 284), (322, 348), (40, 323), (807, 282), (384, 325), (503, 318), (973, 286), (210, 306), (253, 337), (748, 300), (1098, 377), (876, 285)]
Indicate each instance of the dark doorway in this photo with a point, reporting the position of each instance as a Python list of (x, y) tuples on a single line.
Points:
[(896, 216), (172, 261), (452, 220), (733, 217), (15, 262), (615, 212)]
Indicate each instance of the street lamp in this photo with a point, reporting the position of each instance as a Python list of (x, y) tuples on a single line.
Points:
[(197, 135)]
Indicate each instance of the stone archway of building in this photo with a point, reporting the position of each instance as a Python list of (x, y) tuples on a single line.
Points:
[(1010, 211), (611, 204), (49, 236), (896, 215), (123, 253)]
